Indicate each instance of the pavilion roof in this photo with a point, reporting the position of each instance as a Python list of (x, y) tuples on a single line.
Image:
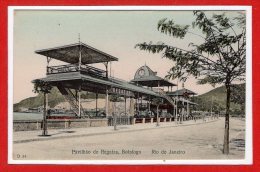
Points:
[(112, 82), (70, 54), (152, 81), (145, 76), (181, 92)]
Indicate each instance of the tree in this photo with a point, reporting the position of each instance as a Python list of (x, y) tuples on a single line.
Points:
[(45, 88), (115, 98), (219, 59), (157, 102), (238, 96)]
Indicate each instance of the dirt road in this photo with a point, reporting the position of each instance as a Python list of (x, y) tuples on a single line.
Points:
[(203, 141)]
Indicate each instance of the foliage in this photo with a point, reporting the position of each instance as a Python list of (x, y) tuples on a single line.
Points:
[(54, 98), (157, 101), (115, 98), (41, 86), (218, 97), (220, 59), (238, 96)]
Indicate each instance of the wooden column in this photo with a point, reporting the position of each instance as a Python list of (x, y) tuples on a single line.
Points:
[(188, 109), (141, 101), (48, 62), (158, 119), (125, 103), (149, 103), (107, 102), (211, 107), (137, 103), (79, 54), (175, 110), (79, 101), (96, 103), (106, 65), (115, 115), (110, 68), (44, 122), (182, 110)]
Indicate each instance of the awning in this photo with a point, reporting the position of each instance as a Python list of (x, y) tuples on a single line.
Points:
[(70, 54), (111, 82), (181, 92), (152, 81)]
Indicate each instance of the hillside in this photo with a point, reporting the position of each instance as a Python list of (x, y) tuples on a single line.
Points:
[(216, 97), (53, 99)]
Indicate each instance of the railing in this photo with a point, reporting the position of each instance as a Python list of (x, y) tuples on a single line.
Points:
[(164, 95), (93, 71), (120, 120), (85, 69), (70, 97), (62, 69)]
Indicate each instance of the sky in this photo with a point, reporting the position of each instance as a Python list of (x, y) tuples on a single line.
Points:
[(113, 32)]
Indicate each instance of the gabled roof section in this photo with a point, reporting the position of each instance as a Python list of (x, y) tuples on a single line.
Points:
[(152, 81), (181, 92), (111, 82), (70, 54)]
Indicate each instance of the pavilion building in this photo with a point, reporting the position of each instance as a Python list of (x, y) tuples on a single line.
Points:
[(148, 79), (183, 97), (77, 75)]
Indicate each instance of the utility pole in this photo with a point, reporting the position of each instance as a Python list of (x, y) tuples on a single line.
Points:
[(211, 107)]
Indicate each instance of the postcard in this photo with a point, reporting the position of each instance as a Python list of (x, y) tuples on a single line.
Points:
[(130, 85)]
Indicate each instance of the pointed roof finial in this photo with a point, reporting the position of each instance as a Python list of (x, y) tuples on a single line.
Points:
[(145, 63), (79, 37)]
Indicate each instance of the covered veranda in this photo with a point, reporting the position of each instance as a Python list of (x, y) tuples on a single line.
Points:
[(76, 76)]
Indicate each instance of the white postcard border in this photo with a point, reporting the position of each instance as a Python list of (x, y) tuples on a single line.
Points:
[(249, 114)]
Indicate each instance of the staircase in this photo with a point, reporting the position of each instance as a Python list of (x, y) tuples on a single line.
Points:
[(168, 98), (71, 98)]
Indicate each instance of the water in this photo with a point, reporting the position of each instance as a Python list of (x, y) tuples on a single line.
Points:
[(31, 116), (27, 116)]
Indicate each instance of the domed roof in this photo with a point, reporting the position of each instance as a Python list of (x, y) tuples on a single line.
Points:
[(146, 77), (144, 72)]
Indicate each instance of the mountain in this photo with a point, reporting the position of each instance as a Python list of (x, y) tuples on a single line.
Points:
[(216, 99), (54, 98)]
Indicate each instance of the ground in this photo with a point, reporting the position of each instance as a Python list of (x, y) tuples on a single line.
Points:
[(200, 141)]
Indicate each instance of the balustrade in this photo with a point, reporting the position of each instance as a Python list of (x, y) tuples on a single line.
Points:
[(84, 69)]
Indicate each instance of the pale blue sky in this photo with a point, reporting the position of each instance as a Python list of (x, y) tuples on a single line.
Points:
[(114, 32)]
